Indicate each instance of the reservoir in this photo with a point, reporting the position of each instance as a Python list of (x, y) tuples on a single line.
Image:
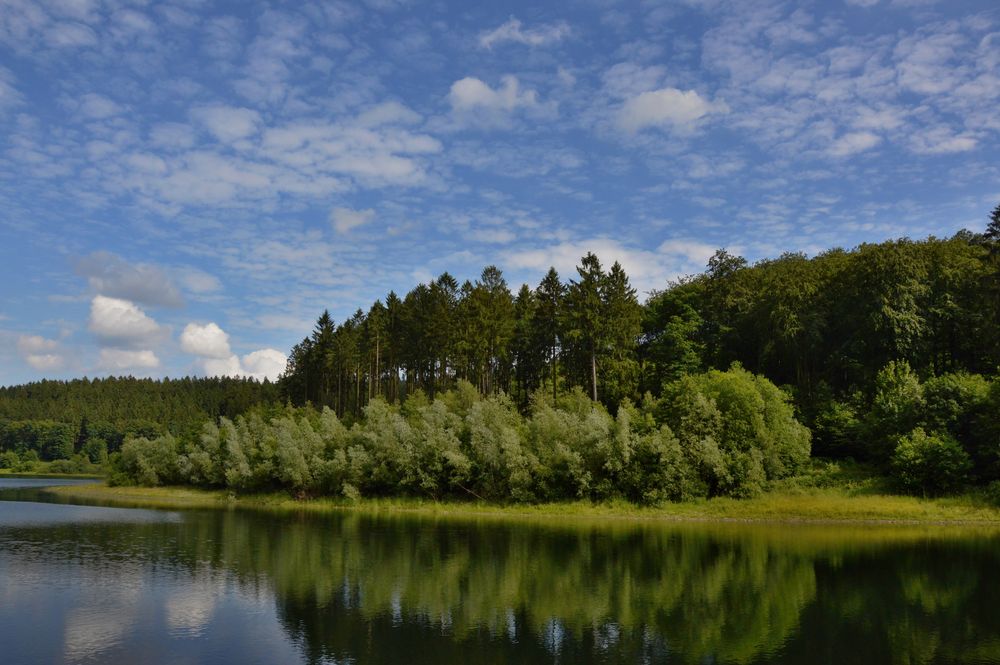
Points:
[(91, 584)]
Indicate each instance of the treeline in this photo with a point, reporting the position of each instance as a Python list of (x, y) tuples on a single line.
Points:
[(558, 335), (714, 434), (823, 326), (54, 420)]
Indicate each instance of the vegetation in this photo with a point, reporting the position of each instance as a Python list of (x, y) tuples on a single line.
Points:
[(738, 432), (56, 420), (886, 354)]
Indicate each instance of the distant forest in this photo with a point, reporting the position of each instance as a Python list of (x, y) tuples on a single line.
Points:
[(886, 353)]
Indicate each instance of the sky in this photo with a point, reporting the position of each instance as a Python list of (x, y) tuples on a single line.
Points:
[(185, 185)]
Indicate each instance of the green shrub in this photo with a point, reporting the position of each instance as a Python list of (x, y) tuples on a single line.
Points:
[(150, 461), (896, 408), (837, 432), (930, 464), (737, 430), (9, 460)]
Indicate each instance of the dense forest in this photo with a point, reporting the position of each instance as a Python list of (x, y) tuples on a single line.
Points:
[(886, 353), (55, 420)]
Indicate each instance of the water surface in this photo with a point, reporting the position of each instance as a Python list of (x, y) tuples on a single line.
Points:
[(83, 584)]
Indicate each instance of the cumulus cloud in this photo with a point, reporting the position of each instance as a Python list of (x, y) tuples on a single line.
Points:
[(211, 344), (112, 275), (264, 363), (40, 353), (121, 322), (667, 107), (470, 94), (207, 341), (228, 123), (261, 364), (345, 219), (512, 31), (120, 360)]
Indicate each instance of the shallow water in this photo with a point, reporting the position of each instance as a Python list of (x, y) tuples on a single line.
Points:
[(82, 584)]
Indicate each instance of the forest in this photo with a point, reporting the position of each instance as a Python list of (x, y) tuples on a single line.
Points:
[(717, 384)]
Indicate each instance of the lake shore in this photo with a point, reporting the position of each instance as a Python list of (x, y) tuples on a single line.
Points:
[(817, 506)]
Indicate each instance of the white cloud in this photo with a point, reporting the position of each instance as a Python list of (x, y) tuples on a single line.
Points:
[(345, 219), (120, 360), (112, 275), (941, 140), (28, 344), (470, 94), (261, 364), (853, 143), (44, 361), (211, 343), (512, 31), (39, 352), (207, 341), (667, 107), (228, 123), (119, 321), (172, 136), (264, 363), (228, 366)]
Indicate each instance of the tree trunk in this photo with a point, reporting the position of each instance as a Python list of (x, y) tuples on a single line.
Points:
[(555, 374), (593, 375)]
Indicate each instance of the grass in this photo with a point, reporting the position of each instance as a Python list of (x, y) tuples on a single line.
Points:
[(41, 473), (825, 493)]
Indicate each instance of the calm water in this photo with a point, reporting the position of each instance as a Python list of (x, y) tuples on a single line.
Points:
[(85, 584)]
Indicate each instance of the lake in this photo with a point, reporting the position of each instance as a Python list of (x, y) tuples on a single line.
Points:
[(87, 584)]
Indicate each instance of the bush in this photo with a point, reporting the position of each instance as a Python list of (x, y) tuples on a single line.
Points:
[(896, 407), (930, 464), (837, 432), (9, 460), (150, 461), (738, 430)]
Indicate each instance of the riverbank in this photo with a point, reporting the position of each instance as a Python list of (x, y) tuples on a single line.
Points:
[(813, 505), (5, 473)]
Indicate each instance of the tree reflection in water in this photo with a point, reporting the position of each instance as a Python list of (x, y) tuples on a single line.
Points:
[(406, 589)]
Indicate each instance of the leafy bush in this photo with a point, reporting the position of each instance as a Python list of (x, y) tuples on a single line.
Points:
[(930, 464), (9, 460), (738, 430), (837, 432), (896, 407), (150, 461)]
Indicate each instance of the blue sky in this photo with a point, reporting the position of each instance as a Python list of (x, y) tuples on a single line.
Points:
[(185, 185)]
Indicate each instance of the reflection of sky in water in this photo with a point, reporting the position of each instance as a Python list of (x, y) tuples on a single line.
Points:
[(105, 585), (64, 598)]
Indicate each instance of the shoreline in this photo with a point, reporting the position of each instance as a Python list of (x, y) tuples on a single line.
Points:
[(806, 507)]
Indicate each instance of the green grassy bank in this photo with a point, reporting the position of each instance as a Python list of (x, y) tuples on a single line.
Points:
[(809, 505)]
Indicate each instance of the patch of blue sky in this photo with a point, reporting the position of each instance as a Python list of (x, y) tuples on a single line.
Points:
[(185, 185)]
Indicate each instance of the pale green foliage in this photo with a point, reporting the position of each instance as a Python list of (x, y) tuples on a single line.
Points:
[(439, 462), (150, 461), (735, 432), (502, 467), (930, 463), (569, 443)]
